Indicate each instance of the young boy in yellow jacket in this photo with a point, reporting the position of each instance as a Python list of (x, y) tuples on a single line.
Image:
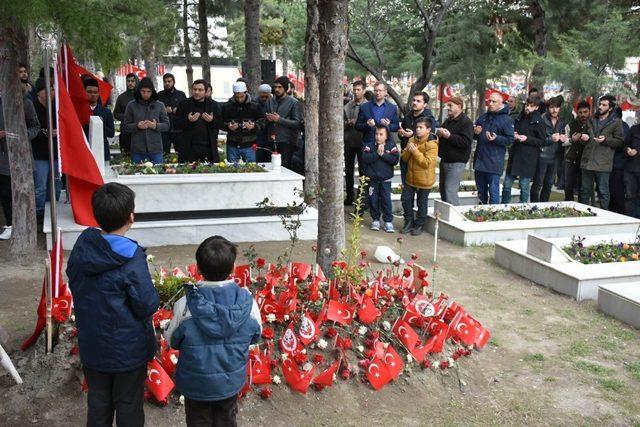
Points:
[(420, 154)]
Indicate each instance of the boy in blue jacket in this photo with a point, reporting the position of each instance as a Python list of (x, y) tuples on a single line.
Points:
[(379, 159), (114, 301), (213, 326)]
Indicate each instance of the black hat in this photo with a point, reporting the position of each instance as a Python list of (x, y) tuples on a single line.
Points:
[(146, 83)]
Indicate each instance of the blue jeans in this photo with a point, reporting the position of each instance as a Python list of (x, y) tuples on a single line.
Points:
[(41, 183), (587, 187), (155, 158), (525, 185), (488, 185), (379, 195), (543, 180), (409, 194), (234, 154)]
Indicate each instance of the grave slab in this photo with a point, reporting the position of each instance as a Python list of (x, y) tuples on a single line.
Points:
[(622, 301), (466, 232), (543, 261)]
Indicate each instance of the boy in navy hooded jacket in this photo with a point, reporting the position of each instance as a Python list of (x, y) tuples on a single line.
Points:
[(114, 301), (213, 326)]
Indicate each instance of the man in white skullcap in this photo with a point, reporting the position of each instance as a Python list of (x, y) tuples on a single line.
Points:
[(243, 119)]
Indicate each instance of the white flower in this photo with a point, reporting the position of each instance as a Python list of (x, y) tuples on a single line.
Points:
[(307, 367), (271, 318), (322, 344), (163, 323), (451, 362), (320, 295), (181, 400), (362, 330), (386, 325), (361, 348), (327, 251), (276, 379), (150, 258), (409, 358), (286, 317), (148, 165), (174, 359), (284, 356), (304, 351)]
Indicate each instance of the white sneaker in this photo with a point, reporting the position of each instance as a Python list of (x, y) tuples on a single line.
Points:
[(388, 227), (375, 225), (6, 233)]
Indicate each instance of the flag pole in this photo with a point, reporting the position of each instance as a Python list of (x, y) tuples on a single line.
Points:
[(47, 287), (52, 158)]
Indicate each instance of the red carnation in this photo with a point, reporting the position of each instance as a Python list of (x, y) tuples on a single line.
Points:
[(406, 272), (364, 363), (444, 364), (347, 345), (363, 254), (267, 333), (273, 363), (426, 363), (422, 274), (369, 353), (345, 374), (368, 343), (300, 358), (331, 332), (74, 350), (318, 358), (266, 392), (455, 356), (414, 257), (254, 147), (374, 335), (261, 262)]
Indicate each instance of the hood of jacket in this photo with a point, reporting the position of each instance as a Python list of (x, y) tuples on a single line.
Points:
[(99, 253), (219, 310), (138, 97)]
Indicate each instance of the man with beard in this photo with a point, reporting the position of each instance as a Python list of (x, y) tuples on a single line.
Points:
[(200, 119), (579, 133), (170, 97), (284, 120), (264, 95), (23, 74), (118, 111), (352, 139), (597, 157), (242, 119), (529, 135)]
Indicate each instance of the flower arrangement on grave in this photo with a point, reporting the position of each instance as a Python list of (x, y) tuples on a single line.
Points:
[(224, 166), (519, 212), (604, 252)]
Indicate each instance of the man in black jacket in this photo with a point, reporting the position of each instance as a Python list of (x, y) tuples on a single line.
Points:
[(456, 137), (352, 139), (632, 172), (199, 118), (579, 130), (121, 105), (284, 120), (97, 109), (530, 135), (170, 97), (419, 108), (242, 119)]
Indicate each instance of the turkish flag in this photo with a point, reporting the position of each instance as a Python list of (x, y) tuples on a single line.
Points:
[(368, 312), (61, 306), (320, 274), (445, 92), (438, 331), (289, 341), (467, 330), (482, 339), (300, 270), (78, 163), (325, 378), (393, 361), (71, 72), (104, 88), (378, 374), (242, 275), (406, 334), (259, 367), (161, 314), (314, 289), (308, 330), (195, 273), (340, 312), (168, 357), (158, 381), (298, 381), (420, 352)]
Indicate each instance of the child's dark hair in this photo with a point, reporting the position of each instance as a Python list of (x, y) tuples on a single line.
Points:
[(425, 121), (113, 204), (216, 257), (386, 129)]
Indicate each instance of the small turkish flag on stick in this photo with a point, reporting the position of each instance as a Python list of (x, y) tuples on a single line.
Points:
[(158, 381)]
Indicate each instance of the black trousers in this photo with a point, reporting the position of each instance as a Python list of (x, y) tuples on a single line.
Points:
[(122, 393), (220, 413), (5, 198), (616, 191), (169, 138), (286, 150), (124, 140), (350, 155), (572, 180)]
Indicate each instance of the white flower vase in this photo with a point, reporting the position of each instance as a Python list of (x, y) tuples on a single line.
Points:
[(276, 162)]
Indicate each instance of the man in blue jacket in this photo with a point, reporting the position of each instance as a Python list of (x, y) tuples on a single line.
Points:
[(494, 132), (114, 301), (213, 326), (377, 112)]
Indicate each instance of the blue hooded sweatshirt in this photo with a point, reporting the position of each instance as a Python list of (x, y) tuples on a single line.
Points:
[(489, 155), (213, 327), (114, 301)]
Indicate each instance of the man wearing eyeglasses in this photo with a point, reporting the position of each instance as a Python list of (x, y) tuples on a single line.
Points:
[(121, 106)]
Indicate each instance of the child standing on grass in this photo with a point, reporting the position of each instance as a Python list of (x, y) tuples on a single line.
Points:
[(379, 160), (420, 154), (114, 301), (213, 326)]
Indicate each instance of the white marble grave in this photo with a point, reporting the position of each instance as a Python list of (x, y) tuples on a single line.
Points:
[(454, 227), (543, 261), (622, 301)]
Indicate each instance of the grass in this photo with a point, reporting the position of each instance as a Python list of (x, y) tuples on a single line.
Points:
[(634, 368), (495, 342), (593, 368), (536, 357), (580, 349), (607, 343), (612, 384), (528, 312)]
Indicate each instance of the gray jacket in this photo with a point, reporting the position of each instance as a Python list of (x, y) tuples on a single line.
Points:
[(352, 136), (145, 140), (33, 128), (549, 152), (287, 130), (599, 157)]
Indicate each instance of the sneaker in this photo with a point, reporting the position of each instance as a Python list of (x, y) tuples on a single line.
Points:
[(375, 225), (408, 226), (416, 231), (6, 233), (388, 227)]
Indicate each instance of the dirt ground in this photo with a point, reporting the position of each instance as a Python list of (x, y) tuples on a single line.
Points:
[(551, 360)]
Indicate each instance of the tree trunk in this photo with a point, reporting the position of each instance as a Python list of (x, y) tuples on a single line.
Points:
[(22, 245), (185, 42), (151, 67), (541, 40), (332, 37), (311, 94), (252, 44), (285, 58), (203, 30), (482, 106)]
